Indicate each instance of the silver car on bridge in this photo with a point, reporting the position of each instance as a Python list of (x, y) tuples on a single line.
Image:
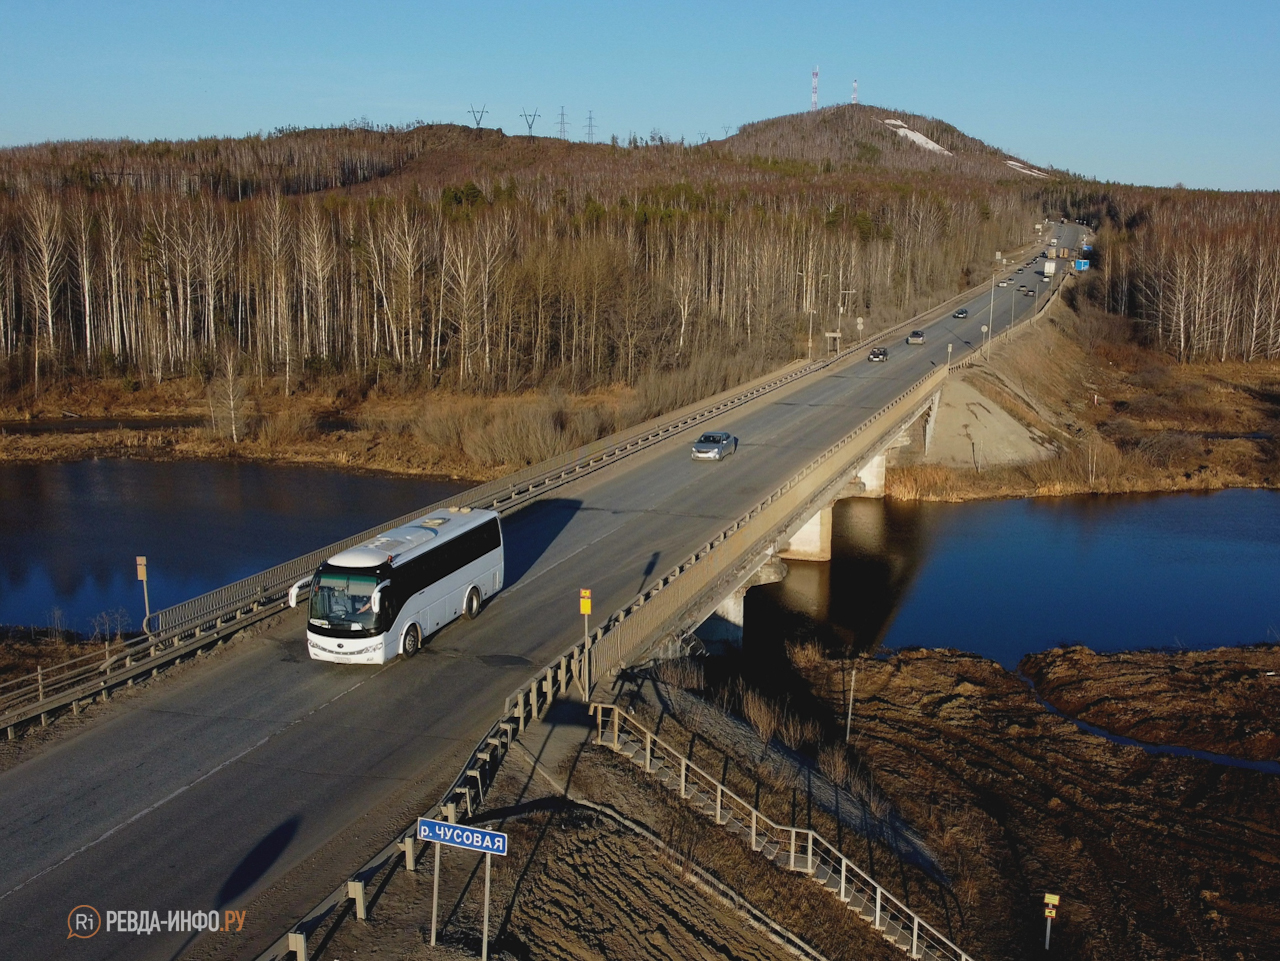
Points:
[(714, 445)]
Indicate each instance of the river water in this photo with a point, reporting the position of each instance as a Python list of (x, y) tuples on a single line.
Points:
[(999, 578), (1005, 578), (69, 532)]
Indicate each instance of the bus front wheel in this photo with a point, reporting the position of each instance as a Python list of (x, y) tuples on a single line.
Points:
[(411, 640), (472, 606)]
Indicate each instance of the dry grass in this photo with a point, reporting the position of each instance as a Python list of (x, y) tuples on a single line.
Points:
[(289, 426), (761, 713), (805, 654), (682, 672)]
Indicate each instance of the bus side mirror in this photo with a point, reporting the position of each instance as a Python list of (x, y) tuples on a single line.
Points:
[(375, 602), (293, 591)]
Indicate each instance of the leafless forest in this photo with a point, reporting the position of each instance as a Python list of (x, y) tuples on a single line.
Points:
[(1199, 270), (444, 256)]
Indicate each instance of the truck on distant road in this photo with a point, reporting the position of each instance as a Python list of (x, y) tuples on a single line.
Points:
[(1050, 268)]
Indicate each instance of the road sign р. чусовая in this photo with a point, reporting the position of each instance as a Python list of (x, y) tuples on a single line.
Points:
[(462, 836)]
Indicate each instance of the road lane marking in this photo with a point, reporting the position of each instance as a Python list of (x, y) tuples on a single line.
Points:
[(186, 787)]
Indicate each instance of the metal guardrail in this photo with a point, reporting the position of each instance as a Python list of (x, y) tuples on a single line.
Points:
[(802, 850), (624, 635)]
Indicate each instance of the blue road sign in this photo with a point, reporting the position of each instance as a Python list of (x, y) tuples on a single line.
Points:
[(461, 836), (1082, 265), (1086, 247)]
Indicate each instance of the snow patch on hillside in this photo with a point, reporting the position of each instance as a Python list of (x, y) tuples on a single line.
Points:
[(915, 137), (1024, 169)]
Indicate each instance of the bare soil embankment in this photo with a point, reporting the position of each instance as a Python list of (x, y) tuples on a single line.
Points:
[(1123, 418), (1155, 857), (584, 884), (1226, 701)]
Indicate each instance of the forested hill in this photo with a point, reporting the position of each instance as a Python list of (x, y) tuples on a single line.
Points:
[(448, 256), (872, 137)]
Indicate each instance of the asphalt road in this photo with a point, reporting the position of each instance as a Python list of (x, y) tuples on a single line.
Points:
[(205, 790)]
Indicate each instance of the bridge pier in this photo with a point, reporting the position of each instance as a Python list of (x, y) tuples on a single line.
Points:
[(724, 627), (812, 542)]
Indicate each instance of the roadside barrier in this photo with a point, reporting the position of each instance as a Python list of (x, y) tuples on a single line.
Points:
[(797, 849)]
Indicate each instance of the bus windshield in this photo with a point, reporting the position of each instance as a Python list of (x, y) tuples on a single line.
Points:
[(344, 601)]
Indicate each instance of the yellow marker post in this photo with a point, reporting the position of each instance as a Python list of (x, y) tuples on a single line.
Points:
[(584, 608), (141, 561), (1051, 902)]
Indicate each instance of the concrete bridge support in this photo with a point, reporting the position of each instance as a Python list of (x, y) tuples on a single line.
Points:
[(724, 627), (813, 541)]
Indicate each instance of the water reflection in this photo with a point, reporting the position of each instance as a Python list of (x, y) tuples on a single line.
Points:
[(1008, 577), (69, 532)]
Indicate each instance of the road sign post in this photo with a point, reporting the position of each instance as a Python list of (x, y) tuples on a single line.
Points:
[(584, 607), (1050, 912), (473, 839), (141, 561)]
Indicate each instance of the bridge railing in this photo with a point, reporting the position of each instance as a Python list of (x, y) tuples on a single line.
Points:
[(801, 849)]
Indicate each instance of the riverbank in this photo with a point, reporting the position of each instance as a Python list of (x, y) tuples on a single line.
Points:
[(1154, 856), (1226, 701), (397, 428), (1112, 416)]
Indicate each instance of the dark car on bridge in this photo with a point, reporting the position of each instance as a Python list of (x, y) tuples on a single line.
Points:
[(714, 445), (962, 312), (878, 354), (915, 337)]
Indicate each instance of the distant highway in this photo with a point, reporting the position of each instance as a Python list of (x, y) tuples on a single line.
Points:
[(251, 774)]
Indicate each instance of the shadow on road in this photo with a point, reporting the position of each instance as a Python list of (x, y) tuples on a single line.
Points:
[(258, 861), (529, 533)]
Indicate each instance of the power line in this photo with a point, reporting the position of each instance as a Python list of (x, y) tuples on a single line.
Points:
[(564, 126), (591, 128), (813, 101), (478, 117), (530, 120)]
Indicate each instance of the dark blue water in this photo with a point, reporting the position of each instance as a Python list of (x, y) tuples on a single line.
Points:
[(1006, 578), (69, 532)]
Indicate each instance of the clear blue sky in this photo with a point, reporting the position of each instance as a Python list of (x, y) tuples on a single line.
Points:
[(1132, 90)]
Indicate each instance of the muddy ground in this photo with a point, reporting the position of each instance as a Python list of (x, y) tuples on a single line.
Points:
[(1226, 701), (1155, 857)]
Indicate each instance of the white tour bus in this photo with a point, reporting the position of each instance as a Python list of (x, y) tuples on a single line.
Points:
[(381, 598)]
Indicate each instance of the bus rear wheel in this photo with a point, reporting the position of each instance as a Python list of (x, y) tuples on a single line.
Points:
[(411, 640), (472, 606)]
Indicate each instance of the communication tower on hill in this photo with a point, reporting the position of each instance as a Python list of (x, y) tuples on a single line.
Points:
[(855, 92), (564, 126), (813, 101)]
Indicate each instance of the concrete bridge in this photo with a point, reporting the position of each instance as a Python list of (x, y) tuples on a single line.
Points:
[(261, 777)]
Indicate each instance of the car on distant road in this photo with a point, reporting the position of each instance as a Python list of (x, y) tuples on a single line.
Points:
[(714, 445), (1003, 283), (915, 337), (1028, 292), (878, 355), (961, 313)]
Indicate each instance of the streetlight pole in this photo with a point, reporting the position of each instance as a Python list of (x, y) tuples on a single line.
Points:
[(991, 312)]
